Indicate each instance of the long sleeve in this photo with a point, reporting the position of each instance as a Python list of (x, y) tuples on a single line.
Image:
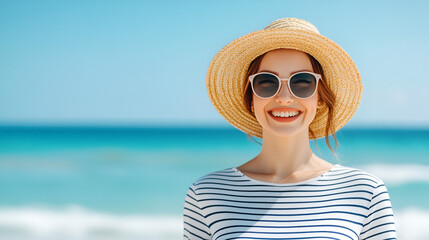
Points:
[(379, 223), (194, 222)]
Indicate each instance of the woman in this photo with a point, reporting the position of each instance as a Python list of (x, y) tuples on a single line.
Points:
[(287, 84)]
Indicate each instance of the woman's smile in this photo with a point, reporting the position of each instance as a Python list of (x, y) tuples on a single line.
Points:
[(285, 116)]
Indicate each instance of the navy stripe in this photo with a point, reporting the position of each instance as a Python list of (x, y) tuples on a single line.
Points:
[(192, 234), (282, 215), (285, 227), (388, 231), (280, 197), (285, 233), (278, 202), (290, 208), (282, 238), (379, 226), (284, 221), (261, 189)]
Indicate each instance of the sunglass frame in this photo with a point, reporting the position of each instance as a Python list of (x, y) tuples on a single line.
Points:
[(316, 75)]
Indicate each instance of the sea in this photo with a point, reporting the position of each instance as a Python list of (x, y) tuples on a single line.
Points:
[(87, 183)]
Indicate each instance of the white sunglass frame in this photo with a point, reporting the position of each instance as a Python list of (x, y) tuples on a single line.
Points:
[(316, 75)]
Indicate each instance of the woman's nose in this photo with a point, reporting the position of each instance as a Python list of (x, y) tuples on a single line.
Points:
[(284, 95)]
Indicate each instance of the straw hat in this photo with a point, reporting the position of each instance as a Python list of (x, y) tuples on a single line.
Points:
[(227, 72)]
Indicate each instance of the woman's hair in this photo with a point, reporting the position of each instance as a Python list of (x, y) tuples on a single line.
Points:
[(325, 94)]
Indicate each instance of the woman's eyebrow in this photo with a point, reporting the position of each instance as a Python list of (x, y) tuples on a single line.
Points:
[(276, 73)]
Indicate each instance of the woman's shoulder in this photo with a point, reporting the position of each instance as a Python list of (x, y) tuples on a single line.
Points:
[(357, 173), (214, 176)]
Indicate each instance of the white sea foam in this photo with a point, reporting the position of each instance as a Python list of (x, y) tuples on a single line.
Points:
[(397, 174), (412, 224), (77, 223)]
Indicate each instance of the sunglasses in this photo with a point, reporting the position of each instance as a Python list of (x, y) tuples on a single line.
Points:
[(301, 84)]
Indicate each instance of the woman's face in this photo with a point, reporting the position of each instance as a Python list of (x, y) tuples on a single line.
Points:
[(283, 63)]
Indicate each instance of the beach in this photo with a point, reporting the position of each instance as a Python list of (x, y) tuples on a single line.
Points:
[(130, 183)]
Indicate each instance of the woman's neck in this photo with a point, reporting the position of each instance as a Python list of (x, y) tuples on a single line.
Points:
[(284, 157)]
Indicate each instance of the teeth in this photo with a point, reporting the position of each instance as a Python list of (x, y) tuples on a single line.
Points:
[(285, 114)]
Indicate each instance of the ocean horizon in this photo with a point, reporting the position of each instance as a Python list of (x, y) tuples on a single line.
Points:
[(107, 182)]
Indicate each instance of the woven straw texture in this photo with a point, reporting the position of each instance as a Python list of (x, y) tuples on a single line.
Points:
[(226, 73)]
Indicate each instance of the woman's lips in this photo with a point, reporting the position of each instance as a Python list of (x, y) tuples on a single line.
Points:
[(284, 109), (284, 119)]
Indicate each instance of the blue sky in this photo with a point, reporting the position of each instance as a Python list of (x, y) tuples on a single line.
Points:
[(145, 62)]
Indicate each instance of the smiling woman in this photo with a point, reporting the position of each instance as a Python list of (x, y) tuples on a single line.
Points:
[(286, 84), (326, 96)]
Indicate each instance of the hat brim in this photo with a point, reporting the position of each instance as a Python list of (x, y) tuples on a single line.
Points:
[(227, 71)]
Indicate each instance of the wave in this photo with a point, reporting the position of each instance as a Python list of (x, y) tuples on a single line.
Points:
[(412, 223), (77, 223), (398, 174)]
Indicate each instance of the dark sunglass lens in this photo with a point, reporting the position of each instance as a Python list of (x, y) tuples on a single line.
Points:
[(265, 85), (303, 85)]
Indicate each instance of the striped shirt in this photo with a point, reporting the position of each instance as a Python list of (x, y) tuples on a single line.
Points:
[(343, 203)]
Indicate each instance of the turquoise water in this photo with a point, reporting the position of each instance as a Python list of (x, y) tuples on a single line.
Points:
[(49, 173)]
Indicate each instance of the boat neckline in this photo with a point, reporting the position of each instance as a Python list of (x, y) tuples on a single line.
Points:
[(284, 184)]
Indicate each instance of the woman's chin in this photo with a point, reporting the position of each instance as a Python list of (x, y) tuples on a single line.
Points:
[(284, 131)]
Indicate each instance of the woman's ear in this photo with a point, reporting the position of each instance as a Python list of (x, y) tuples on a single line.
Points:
[(320, 102)]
